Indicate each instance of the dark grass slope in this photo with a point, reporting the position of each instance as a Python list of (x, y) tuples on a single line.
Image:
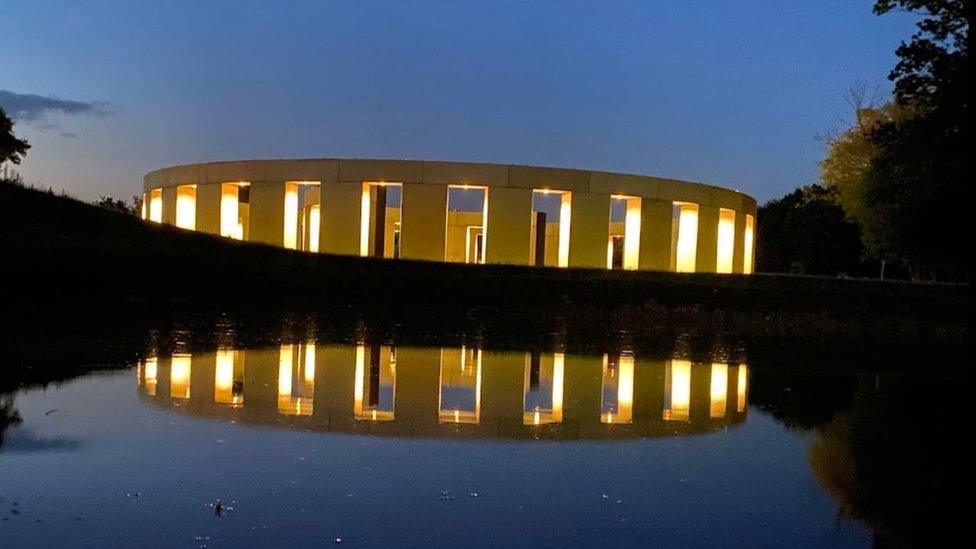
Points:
[(63, 255)]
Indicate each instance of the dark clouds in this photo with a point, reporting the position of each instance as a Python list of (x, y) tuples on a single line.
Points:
[(32, 109)]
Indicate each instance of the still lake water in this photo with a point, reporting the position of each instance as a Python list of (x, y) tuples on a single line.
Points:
[(317, 444)]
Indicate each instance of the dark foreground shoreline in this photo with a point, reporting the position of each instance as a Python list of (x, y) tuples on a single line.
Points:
[(70, 264)]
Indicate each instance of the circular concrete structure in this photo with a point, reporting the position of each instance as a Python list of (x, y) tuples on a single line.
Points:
[(462, 212)]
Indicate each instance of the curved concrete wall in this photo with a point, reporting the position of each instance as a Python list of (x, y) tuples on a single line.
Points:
[(322, 205)]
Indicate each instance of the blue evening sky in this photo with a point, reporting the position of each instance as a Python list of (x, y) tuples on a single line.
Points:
[(733, 93)]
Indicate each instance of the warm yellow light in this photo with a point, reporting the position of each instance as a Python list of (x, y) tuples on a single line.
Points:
[(224, 377), (740, 392), (285, 357), (144, 208), (678, 398), (290, 216), (156, 205), (151, 372), (632, 226), (719, 390), (748, 252), (624, 380), (310, 364), (687, 245), (360, 409), (558, 374), (314, 222), (179, 376), (565, 215), (726, 241), (364, 208), (186, 207), (230, 223)]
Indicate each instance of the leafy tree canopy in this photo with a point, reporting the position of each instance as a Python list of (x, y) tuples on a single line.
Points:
[(807, 231), (12, 149)]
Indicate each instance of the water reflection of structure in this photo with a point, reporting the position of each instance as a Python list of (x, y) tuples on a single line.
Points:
[(462, 391)]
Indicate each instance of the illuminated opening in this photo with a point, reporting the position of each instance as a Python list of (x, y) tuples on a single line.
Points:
[(726, 241), (677, 390), (551, 217), (380, 220), (156, 205), (623, 245), (151, 375), (617, 394), (718, 390), (747, 249), (741, 387), (467, 218), (179, 376), (300, 197), (460, 386), (143, 208), (542, 400), (229, 378), (375, 389), (186, 207), (296, 379), (234, 209), (684, 237)]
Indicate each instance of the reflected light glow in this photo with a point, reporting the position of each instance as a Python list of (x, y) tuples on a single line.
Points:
[(677, 390), (719, 389), (179, 377), (741, 387)]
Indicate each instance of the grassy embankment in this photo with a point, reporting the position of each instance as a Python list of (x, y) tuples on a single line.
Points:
[(64, 259)]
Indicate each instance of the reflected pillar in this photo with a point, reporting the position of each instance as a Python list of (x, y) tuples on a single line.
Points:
[(502, 387), (169, 205), (267, 209), (335, 381), (340, 217), (423, 222), (583, 386), (509, 224), (705, 261), (208, 208), (655, 242), (589, 230), (261, 382), (418, 385)]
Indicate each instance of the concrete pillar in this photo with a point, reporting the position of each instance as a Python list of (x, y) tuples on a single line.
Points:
[(655, 242), (509, 224), (707, 239), (740, 237), (341, 205), (169, 205), (208, 208), (589, 230), (267, 209), (423, 222)]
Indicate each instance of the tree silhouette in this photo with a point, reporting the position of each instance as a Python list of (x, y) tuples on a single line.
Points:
[(12, 149)]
